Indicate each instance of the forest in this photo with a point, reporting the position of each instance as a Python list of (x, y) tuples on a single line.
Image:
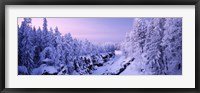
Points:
[(152, 47)]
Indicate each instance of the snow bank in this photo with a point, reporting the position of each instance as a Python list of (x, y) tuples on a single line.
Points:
[(44, 70)]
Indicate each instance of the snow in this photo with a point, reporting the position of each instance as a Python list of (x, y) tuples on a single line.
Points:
[(113, 66), (47, 60), (50, 69), (44, 69), (22, 70), (39, 70), (133, 69), (152, 47), (117, 64), (118, 52)]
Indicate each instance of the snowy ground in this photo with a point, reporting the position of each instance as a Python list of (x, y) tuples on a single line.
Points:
[(114, 65), (118, 65)]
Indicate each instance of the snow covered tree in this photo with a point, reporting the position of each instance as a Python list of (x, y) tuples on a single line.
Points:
[(39, 38), (45, 35), (20, 37), (126, 45), (45, 25), (34, 41), (135, 40), (67, 42), (140, 29), (38, 46), (47, 56), (156, 43), (152, 50), (109, 47), (172, 43), (59, 48), (27, 46)]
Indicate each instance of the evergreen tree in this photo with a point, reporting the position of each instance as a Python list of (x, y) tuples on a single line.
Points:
[(20, 37), (152, 48), (27, 46), (59, 48), (45, 25), (172, 43), (38, 47), (45, 35)]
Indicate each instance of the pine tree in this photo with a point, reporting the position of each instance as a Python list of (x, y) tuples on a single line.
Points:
[(59, 48), (67, 41), (20, 37), (27, 46), (135, 40), (126, 45), (172, 43), (152, 48), (47, 55), (45, 25), (37, 47), (51, 38), (45, 34), (34, 40), (140, 29)]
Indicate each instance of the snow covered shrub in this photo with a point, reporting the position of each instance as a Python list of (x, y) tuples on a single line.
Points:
[(47, 56)]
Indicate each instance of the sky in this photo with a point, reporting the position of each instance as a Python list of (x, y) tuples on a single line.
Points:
[(96, 30)]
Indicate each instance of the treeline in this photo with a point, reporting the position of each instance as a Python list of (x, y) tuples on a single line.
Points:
[(157, 45), (37, 47)]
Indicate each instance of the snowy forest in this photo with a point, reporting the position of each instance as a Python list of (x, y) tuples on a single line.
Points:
[(152, 47)]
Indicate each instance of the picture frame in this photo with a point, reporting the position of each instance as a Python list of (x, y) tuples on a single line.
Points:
[(98, 2)]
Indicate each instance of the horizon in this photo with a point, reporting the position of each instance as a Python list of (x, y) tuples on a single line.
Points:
[(96, 30)]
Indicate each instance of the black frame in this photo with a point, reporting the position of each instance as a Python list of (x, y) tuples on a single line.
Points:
[(3, 3)]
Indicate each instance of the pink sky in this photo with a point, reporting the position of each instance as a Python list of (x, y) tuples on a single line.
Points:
[(97, 30)]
